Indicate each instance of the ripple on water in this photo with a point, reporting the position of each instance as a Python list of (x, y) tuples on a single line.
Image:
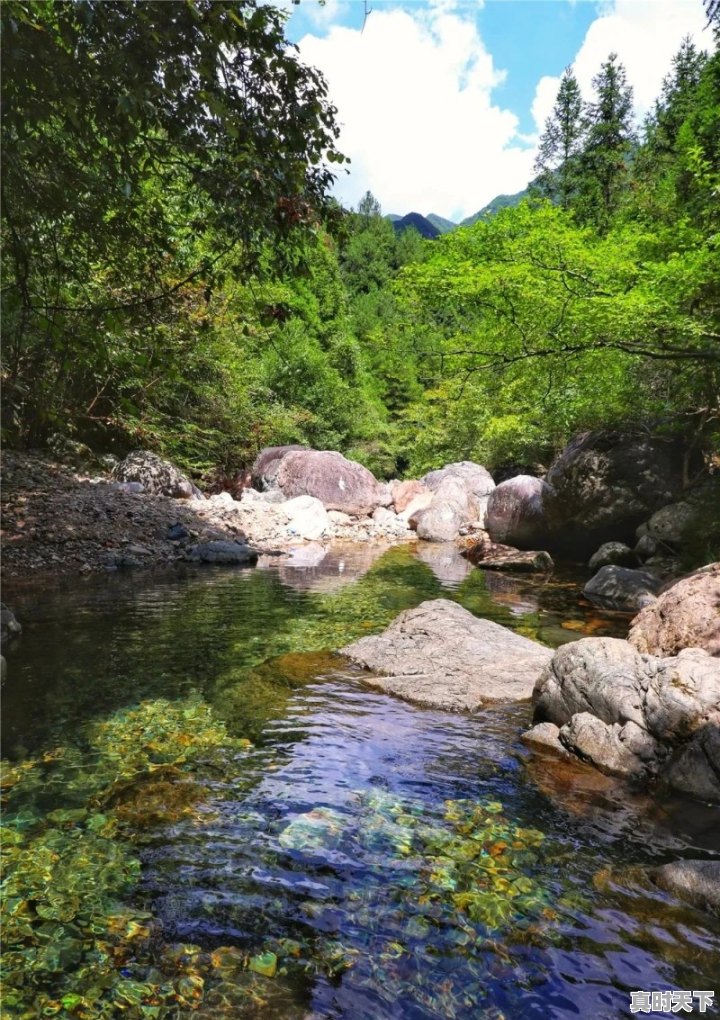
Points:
[(392, 861)]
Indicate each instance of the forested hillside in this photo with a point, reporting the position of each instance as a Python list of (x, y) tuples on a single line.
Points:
[(176, 277)]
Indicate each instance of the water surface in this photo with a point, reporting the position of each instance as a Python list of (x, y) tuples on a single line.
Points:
[(240, 827)]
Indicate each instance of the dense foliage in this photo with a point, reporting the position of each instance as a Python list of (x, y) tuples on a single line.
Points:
[(176, 277)]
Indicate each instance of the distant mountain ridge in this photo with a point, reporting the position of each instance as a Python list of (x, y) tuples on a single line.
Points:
[(498, 203), (423, 225), (443, 225), (432, 225)]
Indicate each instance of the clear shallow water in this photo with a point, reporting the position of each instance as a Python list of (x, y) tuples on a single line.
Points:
[(343, 849)]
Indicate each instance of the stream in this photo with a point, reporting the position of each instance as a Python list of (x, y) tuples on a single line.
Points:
[(208, 814)]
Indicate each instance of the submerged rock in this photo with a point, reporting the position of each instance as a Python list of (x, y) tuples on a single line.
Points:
[(545, 735), (493, 556), (622, 588), (698, 882), (10, 628), (685, 615), (319, 829), (224, 552), (440, 654)]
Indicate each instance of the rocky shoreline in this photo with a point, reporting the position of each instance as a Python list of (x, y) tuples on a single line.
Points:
[(63, 519)]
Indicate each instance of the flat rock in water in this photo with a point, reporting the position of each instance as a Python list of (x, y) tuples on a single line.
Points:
[(224, 552), (441, 655), (698, 882), (622, 588), (494, 556)]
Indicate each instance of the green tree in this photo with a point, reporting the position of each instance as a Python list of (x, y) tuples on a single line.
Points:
[(677, 97), (149, 148), (608, 141), (556, 163), (542, 327), (368, 207)]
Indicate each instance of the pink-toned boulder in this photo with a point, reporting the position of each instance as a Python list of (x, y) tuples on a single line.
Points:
[(338, 483), (403, 493), (267, 464), (515, 514), (685, 615)]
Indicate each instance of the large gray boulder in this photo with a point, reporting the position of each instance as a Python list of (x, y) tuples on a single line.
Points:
[(439, 654), (477, 483), (685, 615), (338, 483), (474, 477), (267, 464), (637, 715), (604, 484), (612, 554), (451, 508), (622, 588), (157, 476), (697, 882), (515, 513)]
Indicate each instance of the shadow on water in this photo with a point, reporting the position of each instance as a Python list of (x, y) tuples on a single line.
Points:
[(210, 815)]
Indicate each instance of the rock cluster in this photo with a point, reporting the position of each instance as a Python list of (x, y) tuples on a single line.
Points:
[(459, 495), (641, 716)]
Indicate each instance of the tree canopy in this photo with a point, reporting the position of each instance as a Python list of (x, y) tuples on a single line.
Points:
[(176, 275)]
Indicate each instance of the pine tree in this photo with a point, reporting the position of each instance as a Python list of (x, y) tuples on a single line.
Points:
[(368, 207), (679, 89), (557, 160), (604, 161)]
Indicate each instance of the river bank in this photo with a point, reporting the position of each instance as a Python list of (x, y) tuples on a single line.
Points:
[(59, 518)]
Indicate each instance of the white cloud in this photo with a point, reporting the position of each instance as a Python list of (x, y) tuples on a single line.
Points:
[(544, 100), (413, 93), (645, 34)]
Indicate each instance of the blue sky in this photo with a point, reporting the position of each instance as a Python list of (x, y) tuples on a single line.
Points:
[(528, 38), (441, 101)]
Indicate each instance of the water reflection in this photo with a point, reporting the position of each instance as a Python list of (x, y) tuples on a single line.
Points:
[(445, 561), (339, 852), (321, 568)]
